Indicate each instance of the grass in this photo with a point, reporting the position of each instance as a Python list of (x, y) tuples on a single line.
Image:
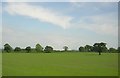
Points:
[(60, 64), (0, 64)]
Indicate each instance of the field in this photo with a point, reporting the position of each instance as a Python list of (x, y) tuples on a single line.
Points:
[(60, 64), (0, 63)]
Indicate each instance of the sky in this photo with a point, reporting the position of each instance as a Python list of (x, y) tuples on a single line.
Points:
[(59, 24)]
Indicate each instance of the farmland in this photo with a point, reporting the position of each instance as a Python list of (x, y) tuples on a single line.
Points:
[(60, 64)]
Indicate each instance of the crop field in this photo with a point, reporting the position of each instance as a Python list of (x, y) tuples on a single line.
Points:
[(60, 64)]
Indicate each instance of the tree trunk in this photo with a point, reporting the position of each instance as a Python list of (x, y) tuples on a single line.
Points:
[(99, 53)]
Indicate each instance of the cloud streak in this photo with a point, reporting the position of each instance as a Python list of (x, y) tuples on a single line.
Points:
[(100, 23), (105, 24), (39, 13)]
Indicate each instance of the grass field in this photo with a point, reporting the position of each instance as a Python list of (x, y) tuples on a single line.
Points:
[(60, 64), (0, 64)]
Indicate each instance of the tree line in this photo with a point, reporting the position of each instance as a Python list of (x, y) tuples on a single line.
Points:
[(97, 47)]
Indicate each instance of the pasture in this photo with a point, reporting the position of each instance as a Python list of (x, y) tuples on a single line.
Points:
[(60, 64)]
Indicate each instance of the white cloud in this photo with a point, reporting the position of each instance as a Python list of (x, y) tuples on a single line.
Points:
[(105, 24), (40, 13), (102, 24)]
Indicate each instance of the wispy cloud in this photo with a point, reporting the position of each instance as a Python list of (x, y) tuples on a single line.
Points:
[(105, 24), (100, 23), (39, 13)]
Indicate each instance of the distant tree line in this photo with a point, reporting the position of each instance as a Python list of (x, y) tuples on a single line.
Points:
[(97, 47)]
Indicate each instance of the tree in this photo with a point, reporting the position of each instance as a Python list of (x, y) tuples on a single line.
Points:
[(48, 49), (28, 49), (17, 49), (119, 49), (38, 48), (81, 49), (95, 47), (7, 48), (65, 48), (88, 48), (98, 47), (103, 47), (112, 50)]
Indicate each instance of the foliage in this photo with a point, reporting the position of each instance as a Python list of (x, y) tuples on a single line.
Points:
[(88, 48), (65, 48), (17, 49), (112, 50), (99, 47), (38, 48), (81, 49), (28, 49), (48, 49), (7, 48), (119, 49)]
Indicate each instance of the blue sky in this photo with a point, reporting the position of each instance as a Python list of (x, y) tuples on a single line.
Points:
[(58, 24)]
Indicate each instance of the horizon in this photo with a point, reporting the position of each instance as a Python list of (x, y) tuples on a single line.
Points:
[(57, 24)]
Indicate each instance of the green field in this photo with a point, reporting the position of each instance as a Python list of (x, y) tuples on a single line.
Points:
[(60, 64)]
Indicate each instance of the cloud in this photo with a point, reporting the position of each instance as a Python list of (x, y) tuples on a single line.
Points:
[(100, 21), (105, 24), (39, 13)]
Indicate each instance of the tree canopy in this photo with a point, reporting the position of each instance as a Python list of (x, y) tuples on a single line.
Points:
[(65, 48), (97, 47), (7, 48), (48, 49), (28, 49), (81, 49), (17, 49), (38, 48)]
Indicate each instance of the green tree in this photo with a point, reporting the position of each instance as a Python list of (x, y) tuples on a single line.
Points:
[(81, 49), (48, 49), (95, 47), (38, 48), (118, 49), (98, 47), (103, 47), (88, 48), (7, 48), (17, 49), (28, 49), (112, 50), (65, 48)]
